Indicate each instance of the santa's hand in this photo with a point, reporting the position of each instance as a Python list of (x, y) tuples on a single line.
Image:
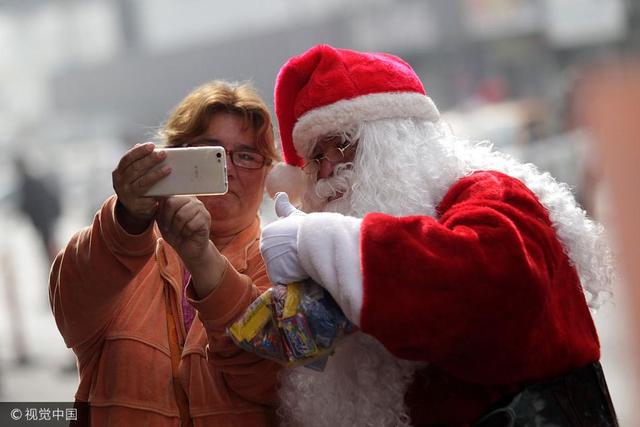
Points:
[(279, 243), (323, 246)]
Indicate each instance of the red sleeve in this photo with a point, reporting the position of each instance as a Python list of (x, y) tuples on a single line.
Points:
[(484, 291)]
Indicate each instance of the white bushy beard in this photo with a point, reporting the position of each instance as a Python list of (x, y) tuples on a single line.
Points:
[(377, 181), (362, 385), (405, 167)]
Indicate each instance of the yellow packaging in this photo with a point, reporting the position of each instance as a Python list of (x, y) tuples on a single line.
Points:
[(294, 294), (256, 317)]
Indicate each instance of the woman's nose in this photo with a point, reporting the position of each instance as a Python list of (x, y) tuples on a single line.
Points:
[(231, 167)]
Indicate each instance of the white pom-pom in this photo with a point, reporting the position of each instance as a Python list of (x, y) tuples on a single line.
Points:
[(288, 179)]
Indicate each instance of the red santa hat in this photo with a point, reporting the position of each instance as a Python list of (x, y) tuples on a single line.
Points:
[(327, 90)]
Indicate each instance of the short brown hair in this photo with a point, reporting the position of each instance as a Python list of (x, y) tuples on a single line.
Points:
[(191, 116)]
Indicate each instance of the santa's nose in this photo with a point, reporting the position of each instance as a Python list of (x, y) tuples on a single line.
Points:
[(326, 169)]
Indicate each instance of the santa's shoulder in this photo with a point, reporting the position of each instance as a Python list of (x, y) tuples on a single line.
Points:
[(486, 185)]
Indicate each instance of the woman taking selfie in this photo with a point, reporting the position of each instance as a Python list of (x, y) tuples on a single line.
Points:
[(144, 294)]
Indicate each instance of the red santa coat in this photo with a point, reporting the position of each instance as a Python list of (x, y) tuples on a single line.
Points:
[(484, 292)]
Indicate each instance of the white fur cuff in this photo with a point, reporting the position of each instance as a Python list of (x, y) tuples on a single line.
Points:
[(329, 250)]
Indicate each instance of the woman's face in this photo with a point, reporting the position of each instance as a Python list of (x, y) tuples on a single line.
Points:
[(235, 210)]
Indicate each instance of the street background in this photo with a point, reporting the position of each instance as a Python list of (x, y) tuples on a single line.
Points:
[(83, 80)]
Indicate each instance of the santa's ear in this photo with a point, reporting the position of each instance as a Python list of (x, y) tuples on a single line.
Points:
[(287, 179)]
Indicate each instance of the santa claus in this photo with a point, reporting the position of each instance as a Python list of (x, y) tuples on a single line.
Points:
[(469, 274)]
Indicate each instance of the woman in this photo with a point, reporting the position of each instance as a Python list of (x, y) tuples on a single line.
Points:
[(124, 290)]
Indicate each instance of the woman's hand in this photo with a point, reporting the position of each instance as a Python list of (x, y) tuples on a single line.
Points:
[(132, 178), (185, 224)]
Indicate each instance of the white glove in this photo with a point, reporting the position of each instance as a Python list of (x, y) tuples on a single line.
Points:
[(279, 243), (323, 246)]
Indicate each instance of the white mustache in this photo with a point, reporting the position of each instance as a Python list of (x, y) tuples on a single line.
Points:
[(340, 182)]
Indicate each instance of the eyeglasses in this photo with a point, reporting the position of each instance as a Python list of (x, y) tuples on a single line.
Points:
[(241, 158), (333, 155)]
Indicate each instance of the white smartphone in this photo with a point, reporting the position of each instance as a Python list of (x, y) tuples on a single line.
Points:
[(194, 171)]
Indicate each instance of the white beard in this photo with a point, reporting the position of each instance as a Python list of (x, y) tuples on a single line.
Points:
[(363, 383)]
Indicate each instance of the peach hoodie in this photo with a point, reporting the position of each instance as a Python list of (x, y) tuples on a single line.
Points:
[(116, 299)]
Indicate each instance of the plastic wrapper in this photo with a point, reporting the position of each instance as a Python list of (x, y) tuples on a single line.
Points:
[(295, 324)]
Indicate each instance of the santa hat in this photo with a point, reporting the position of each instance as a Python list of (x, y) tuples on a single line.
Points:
[(327, 90)]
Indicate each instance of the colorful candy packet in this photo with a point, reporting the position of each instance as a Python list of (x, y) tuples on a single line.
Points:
[(295, 324)]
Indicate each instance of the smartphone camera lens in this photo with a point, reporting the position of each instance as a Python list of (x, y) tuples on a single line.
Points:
[(219, 155)]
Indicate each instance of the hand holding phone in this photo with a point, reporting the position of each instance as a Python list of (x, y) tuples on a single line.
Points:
[(136, 172), (194, 171)]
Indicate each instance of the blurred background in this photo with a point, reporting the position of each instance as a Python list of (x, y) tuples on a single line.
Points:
[(83, 80)]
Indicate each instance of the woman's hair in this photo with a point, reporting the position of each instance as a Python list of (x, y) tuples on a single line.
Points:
[(191, 117)]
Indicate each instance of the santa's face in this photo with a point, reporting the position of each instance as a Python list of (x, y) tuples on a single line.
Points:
[(330, 170), (330, 152), (395, 166), (327, 155)]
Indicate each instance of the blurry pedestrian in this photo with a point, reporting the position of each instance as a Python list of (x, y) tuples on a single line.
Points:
[(39, 200)]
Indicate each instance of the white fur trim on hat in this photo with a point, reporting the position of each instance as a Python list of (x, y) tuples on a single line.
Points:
[(347, 113)]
